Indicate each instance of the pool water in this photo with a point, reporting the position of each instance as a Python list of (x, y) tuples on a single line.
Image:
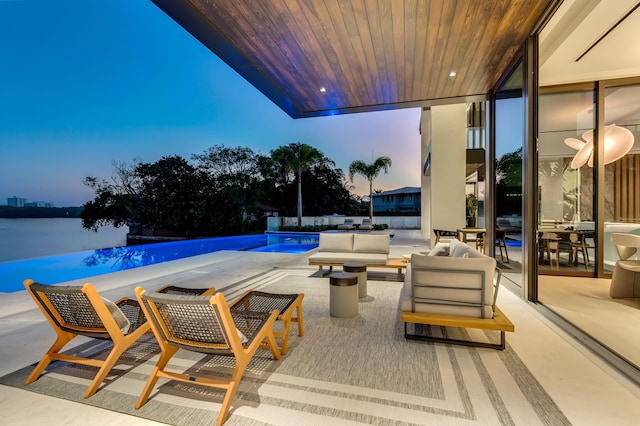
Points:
[(67, 267)]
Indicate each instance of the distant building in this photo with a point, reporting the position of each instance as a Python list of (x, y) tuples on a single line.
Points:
[(400, 200), (22, 202), (38, 204), (16, 201)]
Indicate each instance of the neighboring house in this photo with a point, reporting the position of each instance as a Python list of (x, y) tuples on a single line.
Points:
[(400, 200), (268, 210)]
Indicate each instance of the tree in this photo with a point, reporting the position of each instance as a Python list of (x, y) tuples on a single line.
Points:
[(236, 188), (509, 184), (168, 194), (116, 200), (173, 195), (369, 172), (297, 158)]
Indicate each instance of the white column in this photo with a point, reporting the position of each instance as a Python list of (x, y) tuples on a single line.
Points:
[(448, 167), (425, 181)]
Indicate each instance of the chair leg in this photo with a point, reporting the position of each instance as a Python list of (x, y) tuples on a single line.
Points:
[(549, 257), (299, 319), (231, 391), (62, 339), (109, 362), (285, 335), (273, 345), (167, 353), (287, 326)]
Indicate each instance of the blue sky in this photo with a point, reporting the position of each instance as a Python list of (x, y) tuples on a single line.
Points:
[(87, 82)]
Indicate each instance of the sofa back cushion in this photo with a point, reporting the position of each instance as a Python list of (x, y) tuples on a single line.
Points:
[(336, 242), (363, 243), (454, 280)]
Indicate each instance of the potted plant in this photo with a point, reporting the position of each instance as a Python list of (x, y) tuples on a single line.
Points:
[(472, 209)]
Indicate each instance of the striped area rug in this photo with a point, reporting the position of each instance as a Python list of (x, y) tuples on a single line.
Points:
[(342, 372)]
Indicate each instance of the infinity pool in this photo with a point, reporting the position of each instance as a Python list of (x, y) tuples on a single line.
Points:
[(66, 267)]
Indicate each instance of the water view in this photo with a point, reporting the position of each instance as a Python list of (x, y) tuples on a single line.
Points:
[(87, 263), (28, 238)]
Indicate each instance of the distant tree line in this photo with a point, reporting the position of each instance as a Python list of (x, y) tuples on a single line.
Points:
[(11, 212), (222, 191)]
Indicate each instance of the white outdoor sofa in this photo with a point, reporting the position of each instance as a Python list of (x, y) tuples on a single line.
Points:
[(454, 285), (337, 248)]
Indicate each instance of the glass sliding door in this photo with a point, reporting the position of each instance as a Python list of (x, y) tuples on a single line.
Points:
[(509, 137), (566, 215)]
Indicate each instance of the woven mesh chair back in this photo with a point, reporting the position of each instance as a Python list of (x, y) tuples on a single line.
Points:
[(191, 322), (71, 304)]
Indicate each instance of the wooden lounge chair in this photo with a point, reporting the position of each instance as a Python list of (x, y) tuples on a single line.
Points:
[(347, 225), (204, 324), (79, 310)]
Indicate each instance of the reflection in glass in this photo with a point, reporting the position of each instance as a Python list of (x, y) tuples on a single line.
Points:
[(566, 227), (622, 177)]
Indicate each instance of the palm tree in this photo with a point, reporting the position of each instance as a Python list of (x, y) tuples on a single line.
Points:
[(369, 172), (297, 157)]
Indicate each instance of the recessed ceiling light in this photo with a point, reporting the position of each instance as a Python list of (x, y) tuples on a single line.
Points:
[(453, 74), (323, 89)]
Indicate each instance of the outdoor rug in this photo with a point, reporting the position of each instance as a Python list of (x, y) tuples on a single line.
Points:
[(342, 372)]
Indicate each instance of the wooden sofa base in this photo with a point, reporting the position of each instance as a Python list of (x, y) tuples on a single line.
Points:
[(499, 322), (392, 263)]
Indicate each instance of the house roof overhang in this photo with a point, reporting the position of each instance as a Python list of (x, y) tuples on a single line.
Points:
[(315, 58)]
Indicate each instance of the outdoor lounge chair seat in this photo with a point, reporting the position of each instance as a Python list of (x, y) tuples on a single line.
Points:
[(347, 225), (79, 310), (366, 225), (286, 304), (172, 289), (204, 324)]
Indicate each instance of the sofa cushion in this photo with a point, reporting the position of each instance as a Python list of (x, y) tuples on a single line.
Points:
[(441, 308), (453, 281), (441, 249), (367, 243), (334, 257), (336, 242)]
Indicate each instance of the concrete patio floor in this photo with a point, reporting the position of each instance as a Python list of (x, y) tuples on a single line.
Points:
[(587, 390)]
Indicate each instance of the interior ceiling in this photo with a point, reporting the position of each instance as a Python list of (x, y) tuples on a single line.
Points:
[(368, 54), (588, 40)]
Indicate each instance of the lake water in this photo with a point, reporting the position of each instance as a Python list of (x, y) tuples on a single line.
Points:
[(28, 238)]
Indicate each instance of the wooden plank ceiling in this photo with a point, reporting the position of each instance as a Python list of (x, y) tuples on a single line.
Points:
[(367, 54)]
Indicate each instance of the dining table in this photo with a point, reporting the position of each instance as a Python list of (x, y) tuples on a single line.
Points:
[(480, 234)]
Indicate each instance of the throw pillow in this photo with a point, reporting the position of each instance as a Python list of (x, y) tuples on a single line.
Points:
[(118, 315), (460, 250), (243, 338), (453, 244), (441, 249)]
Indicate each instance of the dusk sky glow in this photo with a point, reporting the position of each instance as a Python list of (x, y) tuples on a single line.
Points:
[(86, 83)]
